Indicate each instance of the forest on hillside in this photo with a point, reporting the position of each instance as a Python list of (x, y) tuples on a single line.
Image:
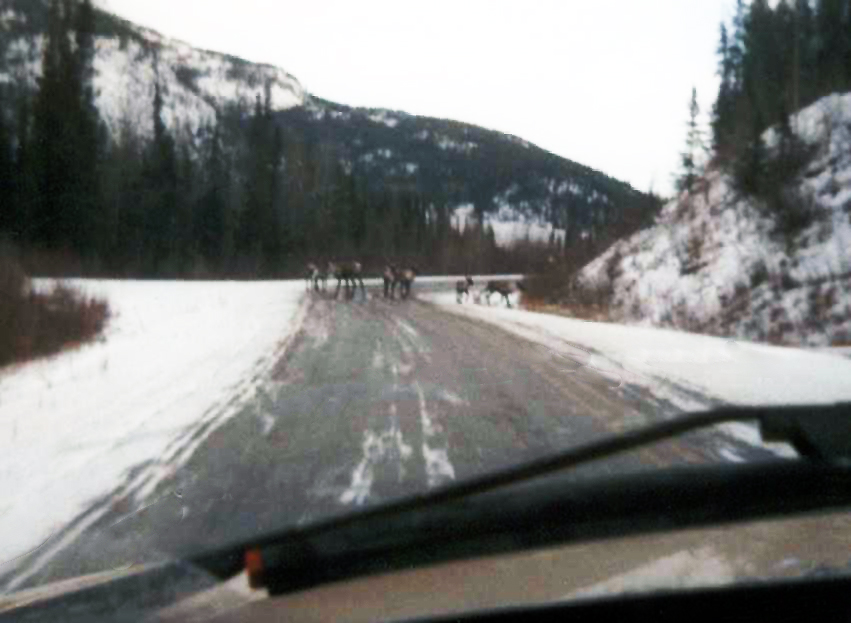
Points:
[(260, 192), (772, 61)]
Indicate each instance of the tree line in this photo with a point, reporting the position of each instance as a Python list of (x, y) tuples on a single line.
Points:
[(247, 195), (772, 63)]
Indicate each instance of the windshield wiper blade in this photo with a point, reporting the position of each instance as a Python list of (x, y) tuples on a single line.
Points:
[(352, 544)]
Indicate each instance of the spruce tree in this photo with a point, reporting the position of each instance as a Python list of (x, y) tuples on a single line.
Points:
[(7, 173), (25, 183), (833, 43), (86, 122), (210, 218), (160, 176), (65, 137), (690, 169), (723, 113)]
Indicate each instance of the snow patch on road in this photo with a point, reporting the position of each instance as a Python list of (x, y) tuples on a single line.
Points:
[(268, 423), (410, 341), (377, 357), (452, 398), (438, 467), (176, 360), (377, 448)]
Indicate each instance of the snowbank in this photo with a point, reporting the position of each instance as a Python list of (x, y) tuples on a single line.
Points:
[(116, 417), (688, 369), (711, 263)]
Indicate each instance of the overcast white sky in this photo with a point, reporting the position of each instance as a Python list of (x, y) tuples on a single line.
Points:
[(603, 82)]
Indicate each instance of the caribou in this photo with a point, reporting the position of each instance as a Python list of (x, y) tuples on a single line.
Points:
[(404, 278), (462, 288), (389, 280), (314, 275), (394, 276), (351, 273), (310, 276), (504, 289)]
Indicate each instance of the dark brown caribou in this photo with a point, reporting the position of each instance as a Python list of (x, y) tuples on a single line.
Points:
[(389, 275), (310, 275), (351, 273), (314, 275), (404, 278), (504, 289), (462, 288)]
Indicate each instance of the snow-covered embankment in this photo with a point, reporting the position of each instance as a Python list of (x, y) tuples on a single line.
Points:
[(118, 416), (717, 262)]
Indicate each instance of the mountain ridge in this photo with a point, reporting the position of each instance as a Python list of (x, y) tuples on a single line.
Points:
[(448, 165)]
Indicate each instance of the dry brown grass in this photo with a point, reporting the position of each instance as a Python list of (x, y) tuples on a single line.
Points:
[(558, 292), (36, 324)]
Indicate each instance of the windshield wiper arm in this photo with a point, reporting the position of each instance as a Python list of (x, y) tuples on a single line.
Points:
[(350, 545)]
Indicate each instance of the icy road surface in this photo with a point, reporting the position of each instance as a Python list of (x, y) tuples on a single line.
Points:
[(216, 412)]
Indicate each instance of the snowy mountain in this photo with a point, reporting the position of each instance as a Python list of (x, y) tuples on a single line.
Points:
[(500, 179), (717, 263), (195, 82), (523, 189)]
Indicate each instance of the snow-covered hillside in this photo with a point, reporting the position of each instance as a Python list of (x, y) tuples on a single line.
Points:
[(525, 191), (715, 263), (508, 224), (195, 82)]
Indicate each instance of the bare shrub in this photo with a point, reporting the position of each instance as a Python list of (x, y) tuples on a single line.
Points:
[(35, 324), (613, 266), (545, 288), (793, 213), (690, 258), (759, 274)]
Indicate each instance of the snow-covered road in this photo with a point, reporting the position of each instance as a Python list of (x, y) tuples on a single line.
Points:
[(345, 402), (663, 360), (689, 370)]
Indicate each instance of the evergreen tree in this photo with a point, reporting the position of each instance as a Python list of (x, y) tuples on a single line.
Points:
[(186, 249), (254, 218), (25, 185), (65, 132), (834, 31), (690, 168), (51, 137), (7, 172), (723, 113), (736, 48), (211, 216), (803, 56), (86, 122), (160, 178)]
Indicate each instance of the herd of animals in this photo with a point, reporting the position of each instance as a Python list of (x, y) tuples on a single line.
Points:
[(350, 274)]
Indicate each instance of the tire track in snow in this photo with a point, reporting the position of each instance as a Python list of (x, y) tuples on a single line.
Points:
[(140, 486)]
